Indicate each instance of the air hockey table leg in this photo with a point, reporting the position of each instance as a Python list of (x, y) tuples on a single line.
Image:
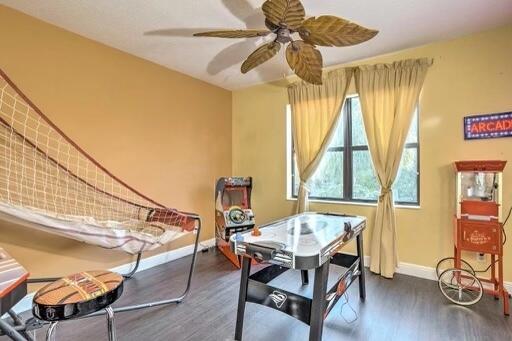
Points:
[(360, 254), (242, 297), (319, 302), (305, 277)]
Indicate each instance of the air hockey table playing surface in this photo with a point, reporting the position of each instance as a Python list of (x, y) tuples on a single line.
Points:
[(304, 241)]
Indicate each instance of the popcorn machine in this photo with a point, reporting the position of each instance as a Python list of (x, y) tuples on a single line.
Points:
[(233, 212), (478, 227)]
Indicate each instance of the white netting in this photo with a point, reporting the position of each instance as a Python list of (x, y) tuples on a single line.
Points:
[(44, 174)]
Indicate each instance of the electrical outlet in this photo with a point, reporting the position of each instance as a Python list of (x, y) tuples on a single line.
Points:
[(480, 257)]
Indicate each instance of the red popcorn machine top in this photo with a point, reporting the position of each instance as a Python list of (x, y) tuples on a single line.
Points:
[(479, 205), (233, 212), (479, 228)]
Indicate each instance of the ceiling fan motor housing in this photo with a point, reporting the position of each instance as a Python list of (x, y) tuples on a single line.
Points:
[(284, 35)]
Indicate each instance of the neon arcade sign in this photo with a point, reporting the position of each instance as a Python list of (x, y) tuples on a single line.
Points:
[(488, 126)]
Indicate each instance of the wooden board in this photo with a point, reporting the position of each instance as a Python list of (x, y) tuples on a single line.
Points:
[(12, 273), (13, 282)]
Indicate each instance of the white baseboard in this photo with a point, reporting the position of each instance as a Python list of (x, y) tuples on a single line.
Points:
[(145, 263), (164, 257), (421, 271)]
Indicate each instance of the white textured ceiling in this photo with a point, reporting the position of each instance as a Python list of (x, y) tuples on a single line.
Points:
[(160, 30)]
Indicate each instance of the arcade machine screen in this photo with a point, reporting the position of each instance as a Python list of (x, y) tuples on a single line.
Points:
[(234, 197)]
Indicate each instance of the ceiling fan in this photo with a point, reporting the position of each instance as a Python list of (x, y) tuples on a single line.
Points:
[(287, 17)]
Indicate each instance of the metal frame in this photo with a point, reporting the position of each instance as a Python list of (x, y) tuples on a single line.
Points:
[(19, 331), (174, 300)]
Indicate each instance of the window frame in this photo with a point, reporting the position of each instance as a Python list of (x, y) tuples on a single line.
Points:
[(347, 151)]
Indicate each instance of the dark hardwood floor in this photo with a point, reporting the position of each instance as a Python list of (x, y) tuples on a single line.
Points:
[(405, 308)]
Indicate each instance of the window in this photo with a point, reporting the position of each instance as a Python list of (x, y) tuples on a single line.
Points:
[(346, 170)]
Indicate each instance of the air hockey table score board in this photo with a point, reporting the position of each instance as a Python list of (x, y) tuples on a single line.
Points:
[(302, 242)]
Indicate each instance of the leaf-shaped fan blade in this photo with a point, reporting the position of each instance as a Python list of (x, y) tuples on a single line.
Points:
[(271, 26), (234, 33), (288, 13), (328, 30), (305, 60), (260, 56)]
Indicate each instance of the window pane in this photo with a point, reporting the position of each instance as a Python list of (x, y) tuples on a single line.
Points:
[(295, 189), (358, 133), (412, 136), (364, 183), (339, 136), (327, 182), (405, 188)]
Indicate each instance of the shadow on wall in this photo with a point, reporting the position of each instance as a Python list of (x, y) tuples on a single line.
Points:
[(446, 204), (29, 238), (46, 243), (207, 220), (252, 18)]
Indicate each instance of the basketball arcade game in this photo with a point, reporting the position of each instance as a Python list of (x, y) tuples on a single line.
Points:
[(479, 228), (233, 212), (303, 242), (49, 183)]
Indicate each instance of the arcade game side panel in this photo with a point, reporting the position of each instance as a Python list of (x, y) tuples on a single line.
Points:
[(233, 212)]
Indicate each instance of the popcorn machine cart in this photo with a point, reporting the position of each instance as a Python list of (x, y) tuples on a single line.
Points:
[(478, 227)]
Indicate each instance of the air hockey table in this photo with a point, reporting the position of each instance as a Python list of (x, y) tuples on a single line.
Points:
[(303, 242)]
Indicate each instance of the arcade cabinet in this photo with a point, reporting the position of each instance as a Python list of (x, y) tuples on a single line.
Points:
[(233, 212), (479, 219)]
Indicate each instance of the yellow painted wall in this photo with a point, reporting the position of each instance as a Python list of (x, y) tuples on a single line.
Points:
[(165, 133), (169, 135), (470, 75)]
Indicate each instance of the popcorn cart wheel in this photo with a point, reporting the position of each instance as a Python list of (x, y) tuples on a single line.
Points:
[(460, 286), (449, 263)]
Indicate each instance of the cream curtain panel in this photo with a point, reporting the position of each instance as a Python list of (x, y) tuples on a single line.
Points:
[(316, 110), (388, 95)]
